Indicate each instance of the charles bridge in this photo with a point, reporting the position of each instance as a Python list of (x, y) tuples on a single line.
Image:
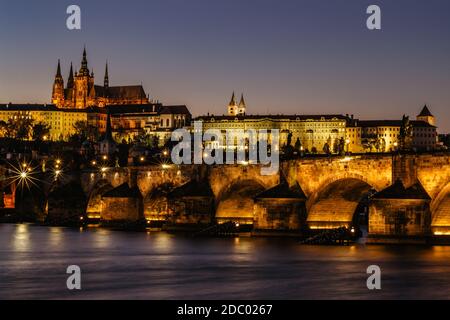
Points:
[(405, 195)]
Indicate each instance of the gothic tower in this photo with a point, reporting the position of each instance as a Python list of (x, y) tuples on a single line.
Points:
[(70, 80), (242, 107), (106, 80), (232, 106), (83, 84), (58, 88)]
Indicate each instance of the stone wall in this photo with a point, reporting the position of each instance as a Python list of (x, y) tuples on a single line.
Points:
[(122, 209), (192, 210), (279, 214), (395, 217)]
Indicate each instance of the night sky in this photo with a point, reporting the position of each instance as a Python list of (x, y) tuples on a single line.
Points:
[(287, 56)]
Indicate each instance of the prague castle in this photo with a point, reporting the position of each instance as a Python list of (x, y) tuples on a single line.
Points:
[(81, 100), (323, 133), (81, 92)]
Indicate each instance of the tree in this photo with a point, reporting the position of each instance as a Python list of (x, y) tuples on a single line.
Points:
[(19, 126), (405, 138), (40, 130), (85, 131), (143, 137), (3, 129)]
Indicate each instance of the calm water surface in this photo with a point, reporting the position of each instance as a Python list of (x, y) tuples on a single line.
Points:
[(121, 265)]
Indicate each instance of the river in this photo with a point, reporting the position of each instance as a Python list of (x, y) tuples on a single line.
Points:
[(133, 265)]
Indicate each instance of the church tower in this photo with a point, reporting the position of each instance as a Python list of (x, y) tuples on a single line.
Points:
[(81, 91), (83, 84), (232, 106), (425, 115), (106, 80), (58, 88), (242, 107), (70, 80)]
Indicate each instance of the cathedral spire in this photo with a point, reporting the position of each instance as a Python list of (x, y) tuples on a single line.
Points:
[(84, 71), (58, 88), (242, 107), (233, 100), (242, 102), (58, 70), (106, 81), (70, 80)]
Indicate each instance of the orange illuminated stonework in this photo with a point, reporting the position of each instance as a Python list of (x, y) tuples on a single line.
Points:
[(81, 91)]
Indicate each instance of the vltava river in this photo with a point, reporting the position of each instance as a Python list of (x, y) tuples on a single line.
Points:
[(122, 265)]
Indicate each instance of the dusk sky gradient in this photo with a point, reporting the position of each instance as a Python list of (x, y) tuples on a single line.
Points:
[(287, 56)]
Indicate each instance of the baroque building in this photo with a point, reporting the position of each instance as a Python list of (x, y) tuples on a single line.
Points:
[(328, 133), (81, 91)]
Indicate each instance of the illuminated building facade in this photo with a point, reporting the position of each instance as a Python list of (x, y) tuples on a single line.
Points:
[(330, 133), (152, 119), (127, 121), (81, 91), (384, 135), (61, 121), (313, 131)]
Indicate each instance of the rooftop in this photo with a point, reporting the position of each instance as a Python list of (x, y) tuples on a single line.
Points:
[(123, 191), (193, 188), (283, 191), (425, 112), (317, 117), (398, 191), (391, 123)]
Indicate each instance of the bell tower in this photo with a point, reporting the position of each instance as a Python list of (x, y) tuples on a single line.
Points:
[(58, 88), (84, 81), (232, 106)]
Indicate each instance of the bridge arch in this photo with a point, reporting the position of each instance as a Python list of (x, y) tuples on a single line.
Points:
[(236, 203), (94, 205), (222, 177), (336, 201), (156, 205), (440, 211)]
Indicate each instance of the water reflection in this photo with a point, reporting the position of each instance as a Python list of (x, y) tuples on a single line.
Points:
[(55, 238), (121, 265), (100, 239), (21, 238)]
